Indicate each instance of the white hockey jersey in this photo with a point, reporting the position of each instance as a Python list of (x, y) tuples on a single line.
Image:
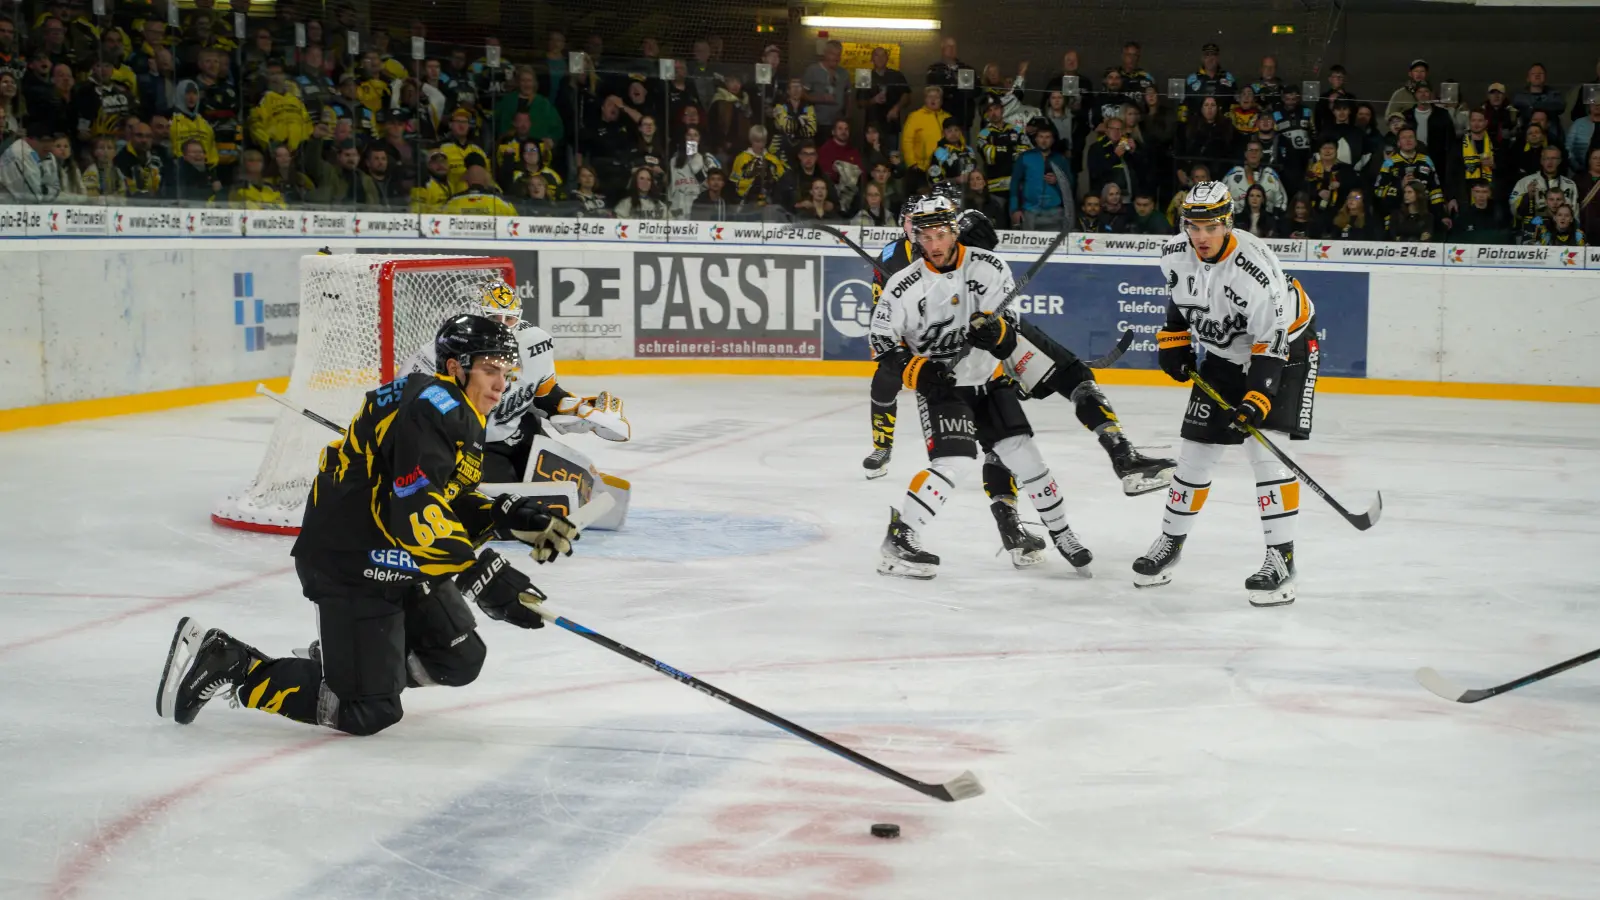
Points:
[(928, 311), (1242, 304), (535, 379)]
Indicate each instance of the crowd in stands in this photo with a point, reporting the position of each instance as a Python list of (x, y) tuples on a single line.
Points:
[(123, 109)]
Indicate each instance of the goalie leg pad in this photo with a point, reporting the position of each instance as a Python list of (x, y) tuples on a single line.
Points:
[(1277, 495)]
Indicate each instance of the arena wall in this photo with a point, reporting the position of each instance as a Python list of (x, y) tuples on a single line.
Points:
[(106, 321)]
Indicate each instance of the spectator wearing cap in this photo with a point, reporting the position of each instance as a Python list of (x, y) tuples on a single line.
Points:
[(1041, 186), (883, 105), (433, 192), (952, 158), (827, 87), (544, 123), (945, 74), (187, 123), (188, 181), (341, 184), (992, 86), (1538, 95), (1435, 128), (280, 117), (998, 145), (1405, 96), (457, 147), (1502, 118), (1107, 102), (395, 138), (924, 127), (28, 169), (1584, 136), (251, 190), (1474, 160), (1407, 164), (1528, 195), (1210, 80)]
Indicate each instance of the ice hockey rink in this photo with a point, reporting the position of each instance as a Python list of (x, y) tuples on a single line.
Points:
[(1173, 743)]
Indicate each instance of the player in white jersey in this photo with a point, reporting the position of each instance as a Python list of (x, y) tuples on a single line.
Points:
[(531, 395), (1229, 293), (929, 327)]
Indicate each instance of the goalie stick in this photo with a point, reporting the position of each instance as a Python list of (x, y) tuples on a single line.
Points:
[(962, 787), (1362, 521), (1100, 362), (1438, 684)]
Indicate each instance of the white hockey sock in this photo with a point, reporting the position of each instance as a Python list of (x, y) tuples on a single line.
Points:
[(1191, 485), (930, 488), (1021, 455), (1277, 495)]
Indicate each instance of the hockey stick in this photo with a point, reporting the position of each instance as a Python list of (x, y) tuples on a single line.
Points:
[(1362, 521), (961, 787), (1105, 362), (265, 391), (860, 251), (1437, 683)]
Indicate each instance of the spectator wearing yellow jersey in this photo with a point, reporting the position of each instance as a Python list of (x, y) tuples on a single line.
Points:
[(458, 147), (480, 198)]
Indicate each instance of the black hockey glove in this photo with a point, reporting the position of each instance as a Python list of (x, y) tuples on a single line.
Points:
[(1250, 412), (525, 519), (497, 587), (928, 376), (1175, 353), (992, 333)]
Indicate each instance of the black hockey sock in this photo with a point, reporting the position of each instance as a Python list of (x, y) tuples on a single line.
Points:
[(997, 481), (288, 687), (1093, 409), (883, 429)]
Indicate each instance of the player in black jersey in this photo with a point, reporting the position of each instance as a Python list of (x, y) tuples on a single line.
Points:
[(387, 552)]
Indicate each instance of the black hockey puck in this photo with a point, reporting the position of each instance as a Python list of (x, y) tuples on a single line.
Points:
[(886, 831)]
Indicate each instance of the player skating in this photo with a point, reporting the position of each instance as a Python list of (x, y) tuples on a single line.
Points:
[(921, 329), (533, 400), (387, 554), (1228, 291), (1059, 371)]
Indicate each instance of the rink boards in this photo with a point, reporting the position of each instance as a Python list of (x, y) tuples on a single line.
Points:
[(165, 321)]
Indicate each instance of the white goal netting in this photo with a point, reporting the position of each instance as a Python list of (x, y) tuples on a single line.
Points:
[(361, 317)]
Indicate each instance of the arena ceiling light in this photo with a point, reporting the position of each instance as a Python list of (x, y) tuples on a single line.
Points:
[(877, 22)]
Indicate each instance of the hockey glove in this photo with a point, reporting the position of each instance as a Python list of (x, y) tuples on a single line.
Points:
[(527, 520), (1251, 412), (927, 376), (1175, 353), (497, 587), (992, 333), (601, 414)]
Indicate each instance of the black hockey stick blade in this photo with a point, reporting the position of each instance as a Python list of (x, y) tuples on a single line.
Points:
[(1110, 359), (1442, 686), (961, 787)]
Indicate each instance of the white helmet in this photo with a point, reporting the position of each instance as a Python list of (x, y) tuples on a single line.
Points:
[(932, 211), (1208, 201), (500, 299)]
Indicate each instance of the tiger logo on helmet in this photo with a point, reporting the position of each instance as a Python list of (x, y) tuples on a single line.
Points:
[(499, 300), (1208, 201)]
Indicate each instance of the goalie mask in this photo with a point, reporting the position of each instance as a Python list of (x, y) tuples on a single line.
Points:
[(499, 301), (1208, 201)]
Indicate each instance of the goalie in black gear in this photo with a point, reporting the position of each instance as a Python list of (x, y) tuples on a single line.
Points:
[(387, 552)]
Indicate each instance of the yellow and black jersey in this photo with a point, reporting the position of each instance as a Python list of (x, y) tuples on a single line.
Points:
[(396, 498), (102, 109), (893, 258)]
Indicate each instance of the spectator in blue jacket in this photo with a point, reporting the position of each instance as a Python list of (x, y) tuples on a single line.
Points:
[(1582, 137), (1041, 187)]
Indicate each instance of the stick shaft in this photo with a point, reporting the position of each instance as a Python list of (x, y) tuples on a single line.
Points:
[(286, 403), (1542, 674)]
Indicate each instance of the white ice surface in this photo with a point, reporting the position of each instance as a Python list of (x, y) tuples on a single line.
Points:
[(1165, 743)]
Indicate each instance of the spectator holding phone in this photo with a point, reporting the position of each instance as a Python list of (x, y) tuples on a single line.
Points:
[(690, 167)]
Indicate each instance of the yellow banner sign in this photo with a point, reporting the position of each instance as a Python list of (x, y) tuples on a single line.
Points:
[(859, 56)]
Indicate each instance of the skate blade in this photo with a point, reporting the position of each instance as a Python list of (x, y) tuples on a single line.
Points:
[(1026, 559), (1083, 571), (877, 473), (1150, 581), (901, 569), (1283, 595), (185, 644), (1137, 485)]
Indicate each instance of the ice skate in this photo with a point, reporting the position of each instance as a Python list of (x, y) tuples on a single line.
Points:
[(200, 664), (876, 463), (1140, 474), (1154, 568), (1074, 550), (903, 554), (1025, 547), (1273, 584)]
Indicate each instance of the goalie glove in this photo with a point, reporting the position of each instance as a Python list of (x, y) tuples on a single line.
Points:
[(601, 414), (550, 534)]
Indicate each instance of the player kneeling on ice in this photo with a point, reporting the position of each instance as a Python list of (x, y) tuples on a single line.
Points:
[(925, 319), (386, 553), (1229, 293), (519, 442)]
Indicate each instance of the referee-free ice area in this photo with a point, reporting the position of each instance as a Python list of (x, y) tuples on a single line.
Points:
[(1163, 743)]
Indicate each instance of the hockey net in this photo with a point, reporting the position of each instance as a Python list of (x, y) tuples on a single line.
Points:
[(361, 318)]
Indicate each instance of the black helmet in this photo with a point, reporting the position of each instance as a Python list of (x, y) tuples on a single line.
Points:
[(464, 338)]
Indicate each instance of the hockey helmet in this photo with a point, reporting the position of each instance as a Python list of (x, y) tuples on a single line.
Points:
[(933, 211), (1208, 201), (465, 338), (500, 299)]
